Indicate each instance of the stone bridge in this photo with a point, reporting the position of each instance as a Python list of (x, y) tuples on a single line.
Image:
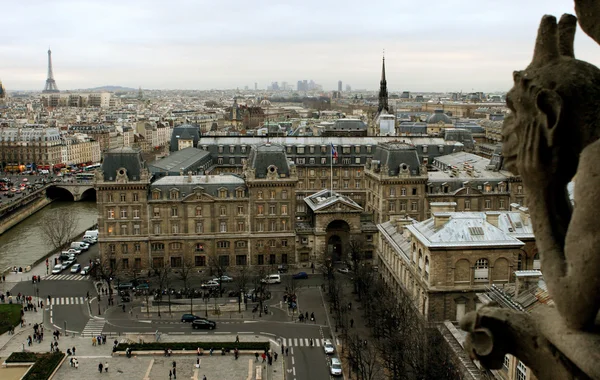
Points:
[(78, 190)]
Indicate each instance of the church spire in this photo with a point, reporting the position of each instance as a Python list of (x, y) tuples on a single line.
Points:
[(383, 93)]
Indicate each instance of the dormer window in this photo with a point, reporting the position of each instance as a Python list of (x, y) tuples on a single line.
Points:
[(223, 193), (239, 193), (174, 194), (156, 194)]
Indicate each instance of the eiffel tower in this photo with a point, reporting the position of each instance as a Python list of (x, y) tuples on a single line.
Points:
[(50, 82)]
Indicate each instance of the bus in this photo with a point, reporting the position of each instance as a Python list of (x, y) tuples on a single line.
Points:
[(91, 168), (85, 177)]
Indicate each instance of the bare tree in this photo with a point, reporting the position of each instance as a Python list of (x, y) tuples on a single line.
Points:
[(241, 280), (261, 291), (164, 281), (363, 358), (219, 268), (185, 273), (58, 227), (107, 270)]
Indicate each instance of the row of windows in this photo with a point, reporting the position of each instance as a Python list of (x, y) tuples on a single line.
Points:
[(176, 194), (123, 213), (392, 206), (326, 173), (260, 209), (403, 191), (122, 197), (221, 244), (326, 149), (324, 184), (174, 211), (272, 194)]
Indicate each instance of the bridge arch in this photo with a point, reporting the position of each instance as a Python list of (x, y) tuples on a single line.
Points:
[(71, 192), (59, 193)]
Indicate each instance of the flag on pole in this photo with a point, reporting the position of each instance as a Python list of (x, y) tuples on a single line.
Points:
[(334, 153)]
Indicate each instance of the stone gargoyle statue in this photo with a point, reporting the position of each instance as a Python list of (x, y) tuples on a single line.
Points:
[(551, 136)]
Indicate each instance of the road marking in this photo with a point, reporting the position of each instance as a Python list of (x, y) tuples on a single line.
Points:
[(147, 376), (245, 332), (318, 342), (265, 333), (145, 321), (293, 361), (198, 332), (250, 377), (222, 332), (295, 342), (250, 321)]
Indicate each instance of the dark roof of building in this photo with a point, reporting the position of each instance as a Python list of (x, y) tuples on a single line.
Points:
[(439, 115), (412, 128), (186, 159), (263, 157), (122, 158), (186, 132), (348, 125), (398, 157), (209, 184)]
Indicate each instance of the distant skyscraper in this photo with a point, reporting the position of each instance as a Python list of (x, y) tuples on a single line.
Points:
[(50, 83), (140, 94), (340, 86), (383, 93), (305, 85), (255, 86)]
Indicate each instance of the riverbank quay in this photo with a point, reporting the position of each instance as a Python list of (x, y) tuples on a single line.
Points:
[(14, 213), (38, 267)]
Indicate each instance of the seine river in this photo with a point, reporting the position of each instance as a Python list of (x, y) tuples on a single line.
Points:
[(23, 244)]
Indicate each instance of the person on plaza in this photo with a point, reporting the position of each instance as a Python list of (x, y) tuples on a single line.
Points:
[(237, 338), (100, 366), (287, 351), (204, 378), (93, 341), (76, 363), (312, 317), (282, 349), (256, 355), (264, 357), (106, 367), (69, 351), (170, 374), (306, 316), (51, 347), (198, 352), (275, 356), (73, 350), (174, 373), (311, 342), (235, 353)]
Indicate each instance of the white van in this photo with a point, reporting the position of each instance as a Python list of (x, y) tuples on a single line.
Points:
[(91, 233), (80, 245), (272, 279)]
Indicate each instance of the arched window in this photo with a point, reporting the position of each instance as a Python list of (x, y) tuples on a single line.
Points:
[(223, 193), (426, 268), (520, 261), (420, 260), (536, 261), (482, 270)]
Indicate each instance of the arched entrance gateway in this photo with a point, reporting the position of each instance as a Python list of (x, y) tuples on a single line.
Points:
[(338, 235)]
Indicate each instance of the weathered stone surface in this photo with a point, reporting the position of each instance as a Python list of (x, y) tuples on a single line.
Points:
[(551, 135)]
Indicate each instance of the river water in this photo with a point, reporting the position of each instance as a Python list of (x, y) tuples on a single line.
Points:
[(23, 244)]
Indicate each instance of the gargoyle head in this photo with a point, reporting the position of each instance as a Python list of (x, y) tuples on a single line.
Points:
[(550, 103)]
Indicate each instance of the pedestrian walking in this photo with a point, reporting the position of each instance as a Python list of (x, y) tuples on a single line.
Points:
[(256, 355), (51, 347), (174, 373), (106, 367), (204, 377), (93, 341), (287, 351), (282, 349), (73, 350), (264, 357), (351, 322), (76, 363), (100, 366), (170, 374), (275, 356), (237, 338), (306, 316)]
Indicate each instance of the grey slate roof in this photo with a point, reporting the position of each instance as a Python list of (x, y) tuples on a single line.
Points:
[(263, 156), (127, 158), (348, 125), (326, 198), (462, 229), (210, 184), (439, 115), (396, 154), (185, 131), (188, 159)]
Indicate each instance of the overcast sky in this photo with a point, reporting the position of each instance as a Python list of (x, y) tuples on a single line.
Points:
[(435, 45)]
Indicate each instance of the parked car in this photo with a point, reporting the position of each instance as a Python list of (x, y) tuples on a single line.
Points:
[(210, 284), (57, 269), (271, 279), (223, 279), (328, 347), (143, 286), (76, 268), (204, 324), (125, 286), (300, 276), (85, 270), (282, 268), (73, 251), (344, 270), (190, 318), (335, 368)]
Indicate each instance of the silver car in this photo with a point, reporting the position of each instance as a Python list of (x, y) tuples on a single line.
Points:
[(328, 347), (335, 368)]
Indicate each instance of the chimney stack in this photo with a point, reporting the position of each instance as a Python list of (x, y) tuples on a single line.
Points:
[(442, 207), (189, 178), (492, 217), (440, 218)]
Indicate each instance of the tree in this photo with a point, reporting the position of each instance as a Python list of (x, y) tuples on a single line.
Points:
[(163, 272), (363, 358), (241, 280), (58, 227), (218, 267), (260, 288), (185, 273)]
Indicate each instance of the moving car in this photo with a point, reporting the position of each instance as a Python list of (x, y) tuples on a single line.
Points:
[(335, 367), (190, 318), (272, 279), (76, 268), (300, 276), (204, 324), (73, 251), (223, 279), (328, 347), (125, 286), (143, 286), (85, 270), (343, 270), (210, 284), (57, 269)]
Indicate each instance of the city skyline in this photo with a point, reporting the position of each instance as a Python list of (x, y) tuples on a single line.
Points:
[(445, 47)]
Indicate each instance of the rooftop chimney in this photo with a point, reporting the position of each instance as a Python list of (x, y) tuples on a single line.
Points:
[(442, 207), (189, 178), (492, 217), (440, 218)]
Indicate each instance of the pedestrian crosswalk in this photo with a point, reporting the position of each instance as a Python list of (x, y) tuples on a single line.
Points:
[(66, 277), (93, 327), (304, 342), (67, 301)]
